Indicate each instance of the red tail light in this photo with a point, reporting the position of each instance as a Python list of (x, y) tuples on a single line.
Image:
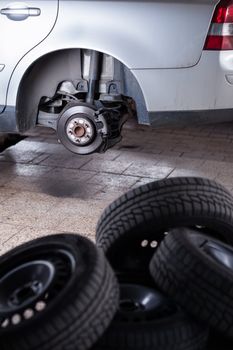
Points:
[(220, 36)]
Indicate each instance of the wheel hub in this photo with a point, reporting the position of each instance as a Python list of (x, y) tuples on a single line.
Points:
[(130, 305), (28, 291), (139, 302), (31, 279), (80, 130)]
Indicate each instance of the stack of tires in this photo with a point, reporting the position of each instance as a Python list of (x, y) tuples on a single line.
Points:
[(166, 241), (159, 278)]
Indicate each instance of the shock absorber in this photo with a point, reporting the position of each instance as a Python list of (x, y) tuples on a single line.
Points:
[(94, 75)]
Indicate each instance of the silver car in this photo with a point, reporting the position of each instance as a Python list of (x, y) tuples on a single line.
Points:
[(82, 67)]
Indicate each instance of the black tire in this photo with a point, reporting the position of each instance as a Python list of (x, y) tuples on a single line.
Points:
[(146, 320), (197, 271), (79, 301), (144, 214), (219, 342)]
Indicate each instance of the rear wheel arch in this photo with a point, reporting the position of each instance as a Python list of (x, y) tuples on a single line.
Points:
[(43, 76)]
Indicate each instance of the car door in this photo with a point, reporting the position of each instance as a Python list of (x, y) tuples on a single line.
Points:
[(23, 26)]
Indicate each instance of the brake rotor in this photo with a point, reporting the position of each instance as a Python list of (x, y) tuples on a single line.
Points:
[(81, 130)]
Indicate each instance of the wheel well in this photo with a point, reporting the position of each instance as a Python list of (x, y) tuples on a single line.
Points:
[(46, 73)]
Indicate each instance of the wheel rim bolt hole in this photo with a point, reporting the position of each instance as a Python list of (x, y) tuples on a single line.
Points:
[(152, 244), (5, 323), (40, 306), (29, 313), (16, 319), (144, 243)]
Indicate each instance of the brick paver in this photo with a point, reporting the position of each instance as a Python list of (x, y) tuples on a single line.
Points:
[(45, 189)]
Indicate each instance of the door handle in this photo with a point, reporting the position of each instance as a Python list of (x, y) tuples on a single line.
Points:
[(20, 13)]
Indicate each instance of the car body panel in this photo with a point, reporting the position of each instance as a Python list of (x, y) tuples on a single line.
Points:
[(161, 43), (205, 86), (140, 34), (20, 36)]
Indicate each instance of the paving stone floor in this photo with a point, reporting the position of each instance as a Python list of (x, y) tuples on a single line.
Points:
[(45, 189)]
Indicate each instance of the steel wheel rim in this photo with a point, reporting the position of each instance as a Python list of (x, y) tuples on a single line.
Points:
[(56, 267), (138, 249)]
